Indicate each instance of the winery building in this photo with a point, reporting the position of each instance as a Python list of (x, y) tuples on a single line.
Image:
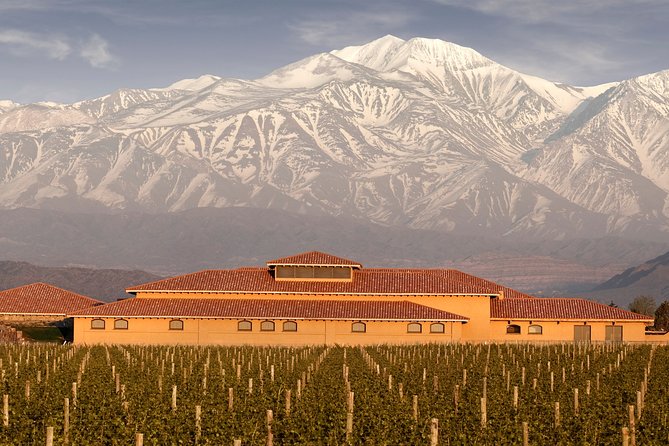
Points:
[(318, 298)]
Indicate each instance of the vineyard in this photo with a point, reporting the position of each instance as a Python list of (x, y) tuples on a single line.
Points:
[(429, 394)]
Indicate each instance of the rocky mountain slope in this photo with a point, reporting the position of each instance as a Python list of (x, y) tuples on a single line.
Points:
[(420, 133), (650, 278)]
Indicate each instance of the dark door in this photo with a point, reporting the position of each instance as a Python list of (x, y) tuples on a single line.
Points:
[(582, 333), (614, 333)]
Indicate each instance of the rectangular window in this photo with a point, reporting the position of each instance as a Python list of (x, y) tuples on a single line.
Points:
[(341, 273), (285, 272), (304, 272)]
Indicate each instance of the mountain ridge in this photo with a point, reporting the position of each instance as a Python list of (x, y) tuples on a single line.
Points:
[(419, 133)]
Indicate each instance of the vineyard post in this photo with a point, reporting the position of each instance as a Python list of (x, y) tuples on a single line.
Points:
[(632, 429), (74, 394), (434, 432), (638, 404), (270, 435), (198, 423), (526, 433), (484, 413), (349, 425), (625, 433), (575, 401), (231, 395), (515, 398), (288, 402), (66, 420), (415, 408), (464, 378), (587, 387), (485, 387), (5, 410), (27, 390), (456, 397), (174, 398), (49, 436), (237, 442), (557, 414)]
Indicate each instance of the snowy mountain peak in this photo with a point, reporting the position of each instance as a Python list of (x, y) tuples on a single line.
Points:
[(195, 84), (312, 72), (7, 105), (391, 53)]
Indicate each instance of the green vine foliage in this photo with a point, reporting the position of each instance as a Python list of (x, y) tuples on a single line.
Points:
[(123, 390)]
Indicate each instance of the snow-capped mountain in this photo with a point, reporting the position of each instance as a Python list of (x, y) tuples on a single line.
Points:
[(420, 133)]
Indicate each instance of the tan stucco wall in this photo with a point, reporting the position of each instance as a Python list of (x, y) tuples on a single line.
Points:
[(476, 308), (224, 332), (564, 330)]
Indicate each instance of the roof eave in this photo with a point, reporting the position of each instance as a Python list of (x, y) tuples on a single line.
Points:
[(333, 293)]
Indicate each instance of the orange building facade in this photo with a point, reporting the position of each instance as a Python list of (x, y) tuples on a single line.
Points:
[(318, 298)]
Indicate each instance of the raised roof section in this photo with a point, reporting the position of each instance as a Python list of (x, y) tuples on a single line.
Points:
[(366, 281), (314, 258)]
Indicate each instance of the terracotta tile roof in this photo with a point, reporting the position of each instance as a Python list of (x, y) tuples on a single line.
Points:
[(559, 308), (42, 299), (270, 309), (365, 281), (313, 258)]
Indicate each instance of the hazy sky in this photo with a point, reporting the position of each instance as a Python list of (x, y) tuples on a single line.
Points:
[(66, 50)]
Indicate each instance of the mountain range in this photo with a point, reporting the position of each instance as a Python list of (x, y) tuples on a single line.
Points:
[(421, 133)]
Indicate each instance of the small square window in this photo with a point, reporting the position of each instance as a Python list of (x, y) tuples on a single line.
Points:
[(98, 324), (290, 326), (437, 327), (176, 324), (120, 324), (358, 327), (244, 326), (414, 327), (267, 326)]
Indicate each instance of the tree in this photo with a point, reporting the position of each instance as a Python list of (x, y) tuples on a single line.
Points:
[(662, 316), (643, 305)]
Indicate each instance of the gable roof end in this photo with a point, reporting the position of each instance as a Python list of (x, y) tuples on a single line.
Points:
[(314, 258)]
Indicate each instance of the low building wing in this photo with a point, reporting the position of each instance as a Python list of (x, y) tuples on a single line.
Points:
[(272, 309), (42, 299), (560, 309)]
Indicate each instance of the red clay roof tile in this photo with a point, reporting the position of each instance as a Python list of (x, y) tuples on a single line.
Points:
[(42, 299), (270, 309), (365, 281), (559, 309)]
